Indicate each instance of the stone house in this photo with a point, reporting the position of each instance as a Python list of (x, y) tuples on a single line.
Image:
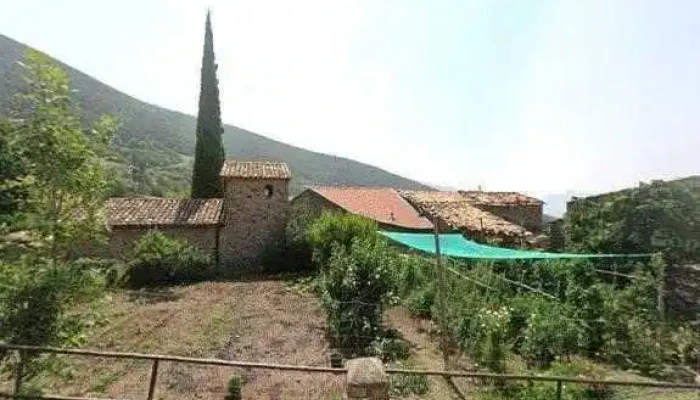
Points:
[(383, 205), (514, 207), (507, 218), (457, 212), (234, 230)]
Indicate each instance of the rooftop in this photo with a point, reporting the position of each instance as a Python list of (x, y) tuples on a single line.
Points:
[(383, 205), (499, 198), (156, 211), (255, 170), (462, 213)]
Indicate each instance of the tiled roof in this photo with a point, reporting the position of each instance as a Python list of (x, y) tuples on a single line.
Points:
[(383, 205), (255, 169), (462, 214), (499, 198), (156, 211)]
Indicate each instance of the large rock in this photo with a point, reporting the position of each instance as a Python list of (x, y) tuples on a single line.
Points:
[(366, 379)]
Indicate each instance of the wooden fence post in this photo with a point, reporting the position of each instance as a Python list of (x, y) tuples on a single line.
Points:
[(661, 291), (154, 378), (558, 390), (19, 372), (442, 312)]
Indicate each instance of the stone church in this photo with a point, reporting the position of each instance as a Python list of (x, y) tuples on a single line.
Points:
[(234, 230)]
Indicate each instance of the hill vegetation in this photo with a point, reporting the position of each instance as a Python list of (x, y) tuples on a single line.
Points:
[(154, 146)]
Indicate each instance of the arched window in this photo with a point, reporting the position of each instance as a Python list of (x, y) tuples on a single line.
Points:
[(268, 191)]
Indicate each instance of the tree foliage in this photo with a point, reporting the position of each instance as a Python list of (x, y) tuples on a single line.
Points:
[(333, 229), (63, 161), (13, 191), (60, 169), (656, 217), (358, 282), (209, 150)]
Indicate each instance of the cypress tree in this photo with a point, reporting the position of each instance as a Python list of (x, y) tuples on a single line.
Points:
[(209, 151)]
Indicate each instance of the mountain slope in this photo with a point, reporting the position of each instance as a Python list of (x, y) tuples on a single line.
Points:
[(155, 145)]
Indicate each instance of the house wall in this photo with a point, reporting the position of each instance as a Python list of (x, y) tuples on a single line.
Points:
[(309, 205), (526, 215), (121, 239), (252, 221)]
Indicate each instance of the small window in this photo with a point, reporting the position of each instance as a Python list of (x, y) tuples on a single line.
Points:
[(268, 191)]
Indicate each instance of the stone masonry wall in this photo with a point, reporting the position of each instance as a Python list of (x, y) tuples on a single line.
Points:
[(121, 240), (526, 215), (253, 222), (310, 203)]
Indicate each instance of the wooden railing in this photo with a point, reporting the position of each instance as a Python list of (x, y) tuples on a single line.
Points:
[(156, 359)]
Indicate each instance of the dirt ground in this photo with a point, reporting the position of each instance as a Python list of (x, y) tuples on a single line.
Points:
[(262, 321)]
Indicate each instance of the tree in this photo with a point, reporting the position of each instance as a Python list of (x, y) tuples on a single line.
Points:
[(209, 151), (65, 166), (656, 217), (12, 185), (62, 172)]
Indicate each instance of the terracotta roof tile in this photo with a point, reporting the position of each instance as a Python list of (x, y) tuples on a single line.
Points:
[(383, 205), (462, 214), (155, 211), (255, 169)]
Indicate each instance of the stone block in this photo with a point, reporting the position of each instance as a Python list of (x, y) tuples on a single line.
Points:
[(366, 379)]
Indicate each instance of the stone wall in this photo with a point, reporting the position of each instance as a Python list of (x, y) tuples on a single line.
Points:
[(253, 222), (526, 215), (121, 239), (311, 204)]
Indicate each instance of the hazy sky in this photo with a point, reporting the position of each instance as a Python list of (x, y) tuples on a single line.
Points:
[(539, 96)]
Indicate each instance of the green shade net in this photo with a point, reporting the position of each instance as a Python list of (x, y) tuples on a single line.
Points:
[(455, 245)]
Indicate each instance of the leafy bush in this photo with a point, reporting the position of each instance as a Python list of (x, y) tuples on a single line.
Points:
[(420, 301), (407, 384), (548, 390), (391, 346), (112, 270), (331, 230), (485, 335), (35, 304), (358, 282), (235, 386), (160, 260), (550, 333)]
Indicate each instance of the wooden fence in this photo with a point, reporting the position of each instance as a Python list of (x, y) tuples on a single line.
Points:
[(156, 359)]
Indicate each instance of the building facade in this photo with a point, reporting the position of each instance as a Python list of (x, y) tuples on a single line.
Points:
[(383, 205), (234, 230)]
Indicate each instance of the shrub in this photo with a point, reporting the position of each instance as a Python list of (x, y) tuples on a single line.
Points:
[(235, 386), (391, 346), (358, 282), (35, 306), (112, 270), (547, 390), (407, 384), (420, 302), (485, 335), (337, 229), (160, 260), (550, 333)]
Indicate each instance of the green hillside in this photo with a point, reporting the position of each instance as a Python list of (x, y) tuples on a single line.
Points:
[(154, 146)]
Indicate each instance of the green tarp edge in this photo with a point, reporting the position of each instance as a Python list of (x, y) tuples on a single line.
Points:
[(456, 245)]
